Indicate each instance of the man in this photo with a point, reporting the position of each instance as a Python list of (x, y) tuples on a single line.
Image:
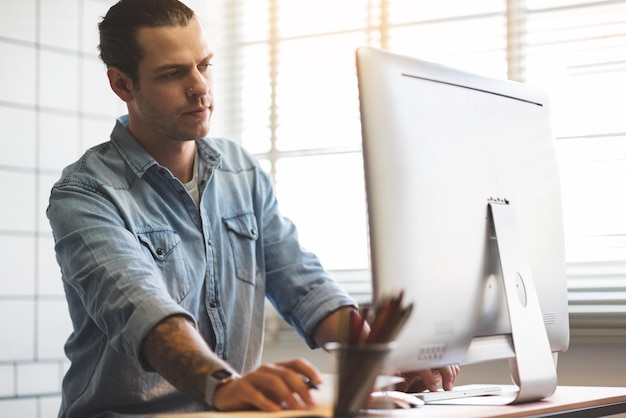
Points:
[(169, 242)]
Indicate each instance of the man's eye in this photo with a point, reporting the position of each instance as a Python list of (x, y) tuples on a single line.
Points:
[(171, 74)]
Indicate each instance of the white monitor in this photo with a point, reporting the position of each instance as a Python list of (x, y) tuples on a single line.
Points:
[(443, 150)]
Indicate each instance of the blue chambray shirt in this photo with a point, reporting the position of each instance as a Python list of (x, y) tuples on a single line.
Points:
[(134, 248)]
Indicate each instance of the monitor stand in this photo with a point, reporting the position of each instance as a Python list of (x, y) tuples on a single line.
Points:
[(532, 368)]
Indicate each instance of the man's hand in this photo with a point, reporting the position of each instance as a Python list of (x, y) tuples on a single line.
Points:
[(328, 329), (418, 381), (270, 388), (422, 380), (176, 350)]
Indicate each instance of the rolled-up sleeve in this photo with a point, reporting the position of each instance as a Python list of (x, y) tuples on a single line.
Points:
[(297, 284)]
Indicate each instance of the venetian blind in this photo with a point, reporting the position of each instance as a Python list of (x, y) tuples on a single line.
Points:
[(288, 85)]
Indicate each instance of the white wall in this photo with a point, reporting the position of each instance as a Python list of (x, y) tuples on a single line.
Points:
[(55, 102)]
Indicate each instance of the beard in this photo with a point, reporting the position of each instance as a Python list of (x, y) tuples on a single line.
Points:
[(173, 123)]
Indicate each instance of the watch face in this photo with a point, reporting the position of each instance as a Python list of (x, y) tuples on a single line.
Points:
[(221, 374)]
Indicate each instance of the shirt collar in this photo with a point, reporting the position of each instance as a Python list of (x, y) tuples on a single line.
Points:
[(137, 157)]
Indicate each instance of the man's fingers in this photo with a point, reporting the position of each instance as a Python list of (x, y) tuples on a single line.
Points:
[(256, 390), (271, 387), (418, 381), (304, 368), (293, 377), (432, 379), (448, 376), (241, 394)]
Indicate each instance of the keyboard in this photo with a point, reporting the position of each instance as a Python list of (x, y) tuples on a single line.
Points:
[(464, 391)]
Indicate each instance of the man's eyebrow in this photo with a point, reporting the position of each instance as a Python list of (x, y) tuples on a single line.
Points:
[(166, 67), (173, 66)]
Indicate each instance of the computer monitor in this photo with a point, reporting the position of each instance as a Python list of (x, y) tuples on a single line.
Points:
[(465, 216)]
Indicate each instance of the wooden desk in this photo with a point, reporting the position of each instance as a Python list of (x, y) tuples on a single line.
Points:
[(568, 401)]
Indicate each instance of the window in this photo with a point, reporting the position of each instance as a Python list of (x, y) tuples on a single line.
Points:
[(577, 50), (288, 87)]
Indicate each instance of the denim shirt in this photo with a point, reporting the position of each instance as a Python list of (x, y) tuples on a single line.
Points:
[(134, 248)]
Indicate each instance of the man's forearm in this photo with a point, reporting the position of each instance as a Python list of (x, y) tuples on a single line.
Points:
[(176, 351)]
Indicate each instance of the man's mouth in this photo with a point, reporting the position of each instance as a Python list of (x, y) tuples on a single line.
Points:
[(198, 112)]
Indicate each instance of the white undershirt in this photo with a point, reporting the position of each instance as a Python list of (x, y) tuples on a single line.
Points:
[(192, 186)]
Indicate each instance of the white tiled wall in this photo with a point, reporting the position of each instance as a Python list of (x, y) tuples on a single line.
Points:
[(54, 103)]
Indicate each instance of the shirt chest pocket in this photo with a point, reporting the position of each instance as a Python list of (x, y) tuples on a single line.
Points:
[(243, 234), (163, 246)]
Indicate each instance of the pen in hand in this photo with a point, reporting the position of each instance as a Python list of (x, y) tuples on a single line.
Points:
[(311, 384)]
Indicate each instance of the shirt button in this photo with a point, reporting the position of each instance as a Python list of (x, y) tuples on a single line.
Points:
[(209, 242), (213, 304), (160, 252)]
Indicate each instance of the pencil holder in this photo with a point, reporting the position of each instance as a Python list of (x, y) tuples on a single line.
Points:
[(358, 366)]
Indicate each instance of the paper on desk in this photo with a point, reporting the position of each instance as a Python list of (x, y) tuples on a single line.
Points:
[(323, 397), (318, 412), (323, 411)]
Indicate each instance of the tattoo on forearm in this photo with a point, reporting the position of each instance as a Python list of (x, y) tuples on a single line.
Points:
[(177, 352)]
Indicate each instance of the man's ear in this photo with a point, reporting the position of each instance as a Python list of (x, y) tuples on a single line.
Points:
[(120, 83)]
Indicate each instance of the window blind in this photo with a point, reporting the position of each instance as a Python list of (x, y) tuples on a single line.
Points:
[(577, 50), (288, 85)]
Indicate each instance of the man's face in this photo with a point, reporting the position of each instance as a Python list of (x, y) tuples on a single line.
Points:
[(173, 98)]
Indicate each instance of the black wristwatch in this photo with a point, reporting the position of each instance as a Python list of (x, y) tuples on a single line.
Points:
[(215, 380)]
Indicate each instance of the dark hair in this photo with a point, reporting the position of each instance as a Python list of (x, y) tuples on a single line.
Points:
[(118, 30)]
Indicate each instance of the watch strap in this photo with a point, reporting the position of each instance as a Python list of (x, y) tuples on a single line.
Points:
[(215, 380)]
